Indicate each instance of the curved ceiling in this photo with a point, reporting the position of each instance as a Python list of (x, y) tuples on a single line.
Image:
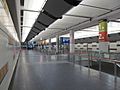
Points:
[(85, 15)]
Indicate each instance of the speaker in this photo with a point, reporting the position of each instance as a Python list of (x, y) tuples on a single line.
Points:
[(73, 2)]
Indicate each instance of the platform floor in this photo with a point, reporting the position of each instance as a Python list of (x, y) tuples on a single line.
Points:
[(36, 71)]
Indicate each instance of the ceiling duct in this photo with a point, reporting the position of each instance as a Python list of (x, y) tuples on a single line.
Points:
[(53, 10), (37, 29), (53, 17), (35, 32), (73, 2), (42, 24)]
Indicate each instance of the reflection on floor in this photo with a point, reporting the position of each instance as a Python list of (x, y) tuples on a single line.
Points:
[(36, 71)]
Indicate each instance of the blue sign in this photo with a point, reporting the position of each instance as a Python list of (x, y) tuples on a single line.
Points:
[(64, 40)]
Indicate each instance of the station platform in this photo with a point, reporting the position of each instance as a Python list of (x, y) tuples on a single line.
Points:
[(36, 71)]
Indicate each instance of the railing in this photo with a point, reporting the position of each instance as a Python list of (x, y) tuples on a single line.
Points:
[(85, 58)]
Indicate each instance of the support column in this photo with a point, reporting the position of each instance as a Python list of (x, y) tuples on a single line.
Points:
[(57, 43), (43, 44), (72, 42), (103, 36), (49, 44)]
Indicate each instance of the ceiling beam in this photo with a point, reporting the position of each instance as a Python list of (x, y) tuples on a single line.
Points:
[(57, 28), (115, 21), (29, 10), (77, 16), (26, 26)]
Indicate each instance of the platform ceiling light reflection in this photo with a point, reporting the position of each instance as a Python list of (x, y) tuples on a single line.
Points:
[(30, 17)]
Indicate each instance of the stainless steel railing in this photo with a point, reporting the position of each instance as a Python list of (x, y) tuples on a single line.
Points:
[(86, 57)]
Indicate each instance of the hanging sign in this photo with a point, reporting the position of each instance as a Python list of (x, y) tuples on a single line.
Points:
[(103, 35)]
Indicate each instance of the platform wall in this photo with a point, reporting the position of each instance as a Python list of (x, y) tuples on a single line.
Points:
[(9, 52)]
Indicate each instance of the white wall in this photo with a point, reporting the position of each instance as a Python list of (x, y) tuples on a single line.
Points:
[(8, 54)]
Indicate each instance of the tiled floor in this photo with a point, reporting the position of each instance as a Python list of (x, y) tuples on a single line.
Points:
[(36, 71)]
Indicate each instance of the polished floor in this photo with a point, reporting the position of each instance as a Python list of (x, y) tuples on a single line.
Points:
[(36, 71)]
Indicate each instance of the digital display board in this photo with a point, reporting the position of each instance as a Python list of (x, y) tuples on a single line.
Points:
[(64, 40)]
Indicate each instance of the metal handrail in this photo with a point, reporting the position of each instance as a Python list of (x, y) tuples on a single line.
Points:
[(88, 56)]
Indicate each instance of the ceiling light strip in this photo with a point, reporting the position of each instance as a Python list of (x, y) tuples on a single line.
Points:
[(77, 16), (57, 28), (30, 10), (115, 21)]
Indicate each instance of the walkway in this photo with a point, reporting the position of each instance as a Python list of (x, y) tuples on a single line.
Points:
[(38, 72)]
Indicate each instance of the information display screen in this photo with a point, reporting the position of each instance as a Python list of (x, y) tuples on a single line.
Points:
[(64, 40)]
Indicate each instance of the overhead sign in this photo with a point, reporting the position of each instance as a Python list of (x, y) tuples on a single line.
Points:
[(64, 40), (103, 35)]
